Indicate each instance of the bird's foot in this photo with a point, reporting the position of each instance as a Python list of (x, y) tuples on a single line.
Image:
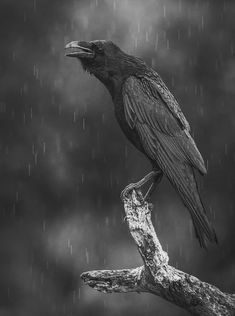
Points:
[(128, 189), (153, 186), (133, 186)]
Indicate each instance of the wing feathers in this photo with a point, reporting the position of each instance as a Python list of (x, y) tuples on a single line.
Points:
[(141, 105), (159, 89)]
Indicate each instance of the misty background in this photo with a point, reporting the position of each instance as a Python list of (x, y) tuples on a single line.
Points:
[(64, 159)]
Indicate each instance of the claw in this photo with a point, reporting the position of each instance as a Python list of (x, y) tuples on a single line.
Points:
[(153, 174), (127, 190)]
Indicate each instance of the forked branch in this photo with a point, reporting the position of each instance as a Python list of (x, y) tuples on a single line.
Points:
[(156, 276)]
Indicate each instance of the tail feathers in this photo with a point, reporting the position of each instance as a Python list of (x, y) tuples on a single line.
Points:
[(187, 187), (203, 228), (182, 177)]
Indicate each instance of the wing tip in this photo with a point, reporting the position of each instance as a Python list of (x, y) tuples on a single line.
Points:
[(203, 237), (202, 169)]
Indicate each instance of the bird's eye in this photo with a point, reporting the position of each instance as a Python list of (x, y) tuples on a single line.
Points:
[(98, 49)]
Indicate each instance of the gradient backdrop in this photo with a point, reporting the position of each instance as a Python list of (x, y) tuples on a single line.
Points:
[(64, 159)]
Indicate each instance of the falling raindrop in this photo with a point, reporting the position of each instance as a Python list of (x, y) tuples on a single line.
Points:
[(189, 32), (13, 210), (2, 107), (13, 113), (17, 196), (178, 34), (135, 42), (44, 226), (146, 36), (44, 148), (207, 164), (180, 6), (226, 149), (74, 297), (164, 11), (93, 154), (42, 277), (29, 169), (103, 118), (36, 159), (106, 221), (83, 123), (156, 42), (34, 5), (202, 23), (114, 5), (153, 62), (232, 48), (201, 90), (167, 44), (87, 255), (36, 71), (164, 35)]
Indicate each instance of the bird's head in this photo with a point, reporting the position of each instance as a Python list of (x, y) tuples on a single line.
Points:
[(105, 60)]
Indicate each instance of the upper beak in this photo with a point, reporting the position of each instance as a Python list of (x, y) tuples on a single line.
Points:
[(78, 49)]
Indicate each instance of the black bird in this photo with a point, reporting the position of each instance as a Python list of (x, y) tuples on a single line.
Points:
[(152, 120)]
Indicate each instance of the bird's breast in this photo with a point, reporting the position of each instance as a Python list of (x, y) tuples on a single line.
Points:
[(130, 133)]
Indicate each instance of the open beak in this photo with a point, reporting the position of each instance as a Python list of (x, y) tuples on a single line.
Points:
[(79, 50)]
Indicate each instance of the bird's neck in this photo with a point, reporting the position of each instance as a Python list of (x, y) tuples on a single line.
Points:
[(113, 84), (113, 77)]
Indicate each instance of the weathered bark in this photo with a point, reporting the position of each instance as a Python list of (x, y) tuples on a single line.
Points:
[(156, 276)]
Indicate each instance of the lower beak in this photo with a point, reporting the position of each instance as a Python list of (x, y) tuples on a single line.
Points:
[(73, 49)]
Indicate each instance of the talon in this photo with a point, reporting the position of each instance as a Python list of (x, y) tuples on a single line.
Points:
[(126, 191), (153, 174)]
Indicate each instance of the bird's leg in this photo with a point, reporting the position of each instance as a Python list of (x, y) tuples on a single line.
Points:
[(138, 184), (151, 189)]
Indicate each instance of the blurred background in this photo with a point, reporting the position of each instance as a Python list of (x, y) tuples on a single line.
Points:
[(64, 159)]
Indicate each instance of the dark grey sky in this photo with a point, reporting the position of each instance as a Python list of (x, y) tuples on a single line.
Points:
[(64, 159)]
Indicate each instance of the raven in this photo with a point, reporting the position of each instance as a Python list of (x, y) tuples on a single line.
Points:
[(152, 120)]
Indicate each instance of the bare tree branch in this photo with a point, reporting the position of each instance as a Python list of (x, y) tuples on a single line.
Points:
[(108, 281), (156, 276)]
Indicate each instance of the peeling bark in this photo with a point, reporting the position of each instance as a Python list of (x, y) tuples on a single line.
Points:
[(156, 276)]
